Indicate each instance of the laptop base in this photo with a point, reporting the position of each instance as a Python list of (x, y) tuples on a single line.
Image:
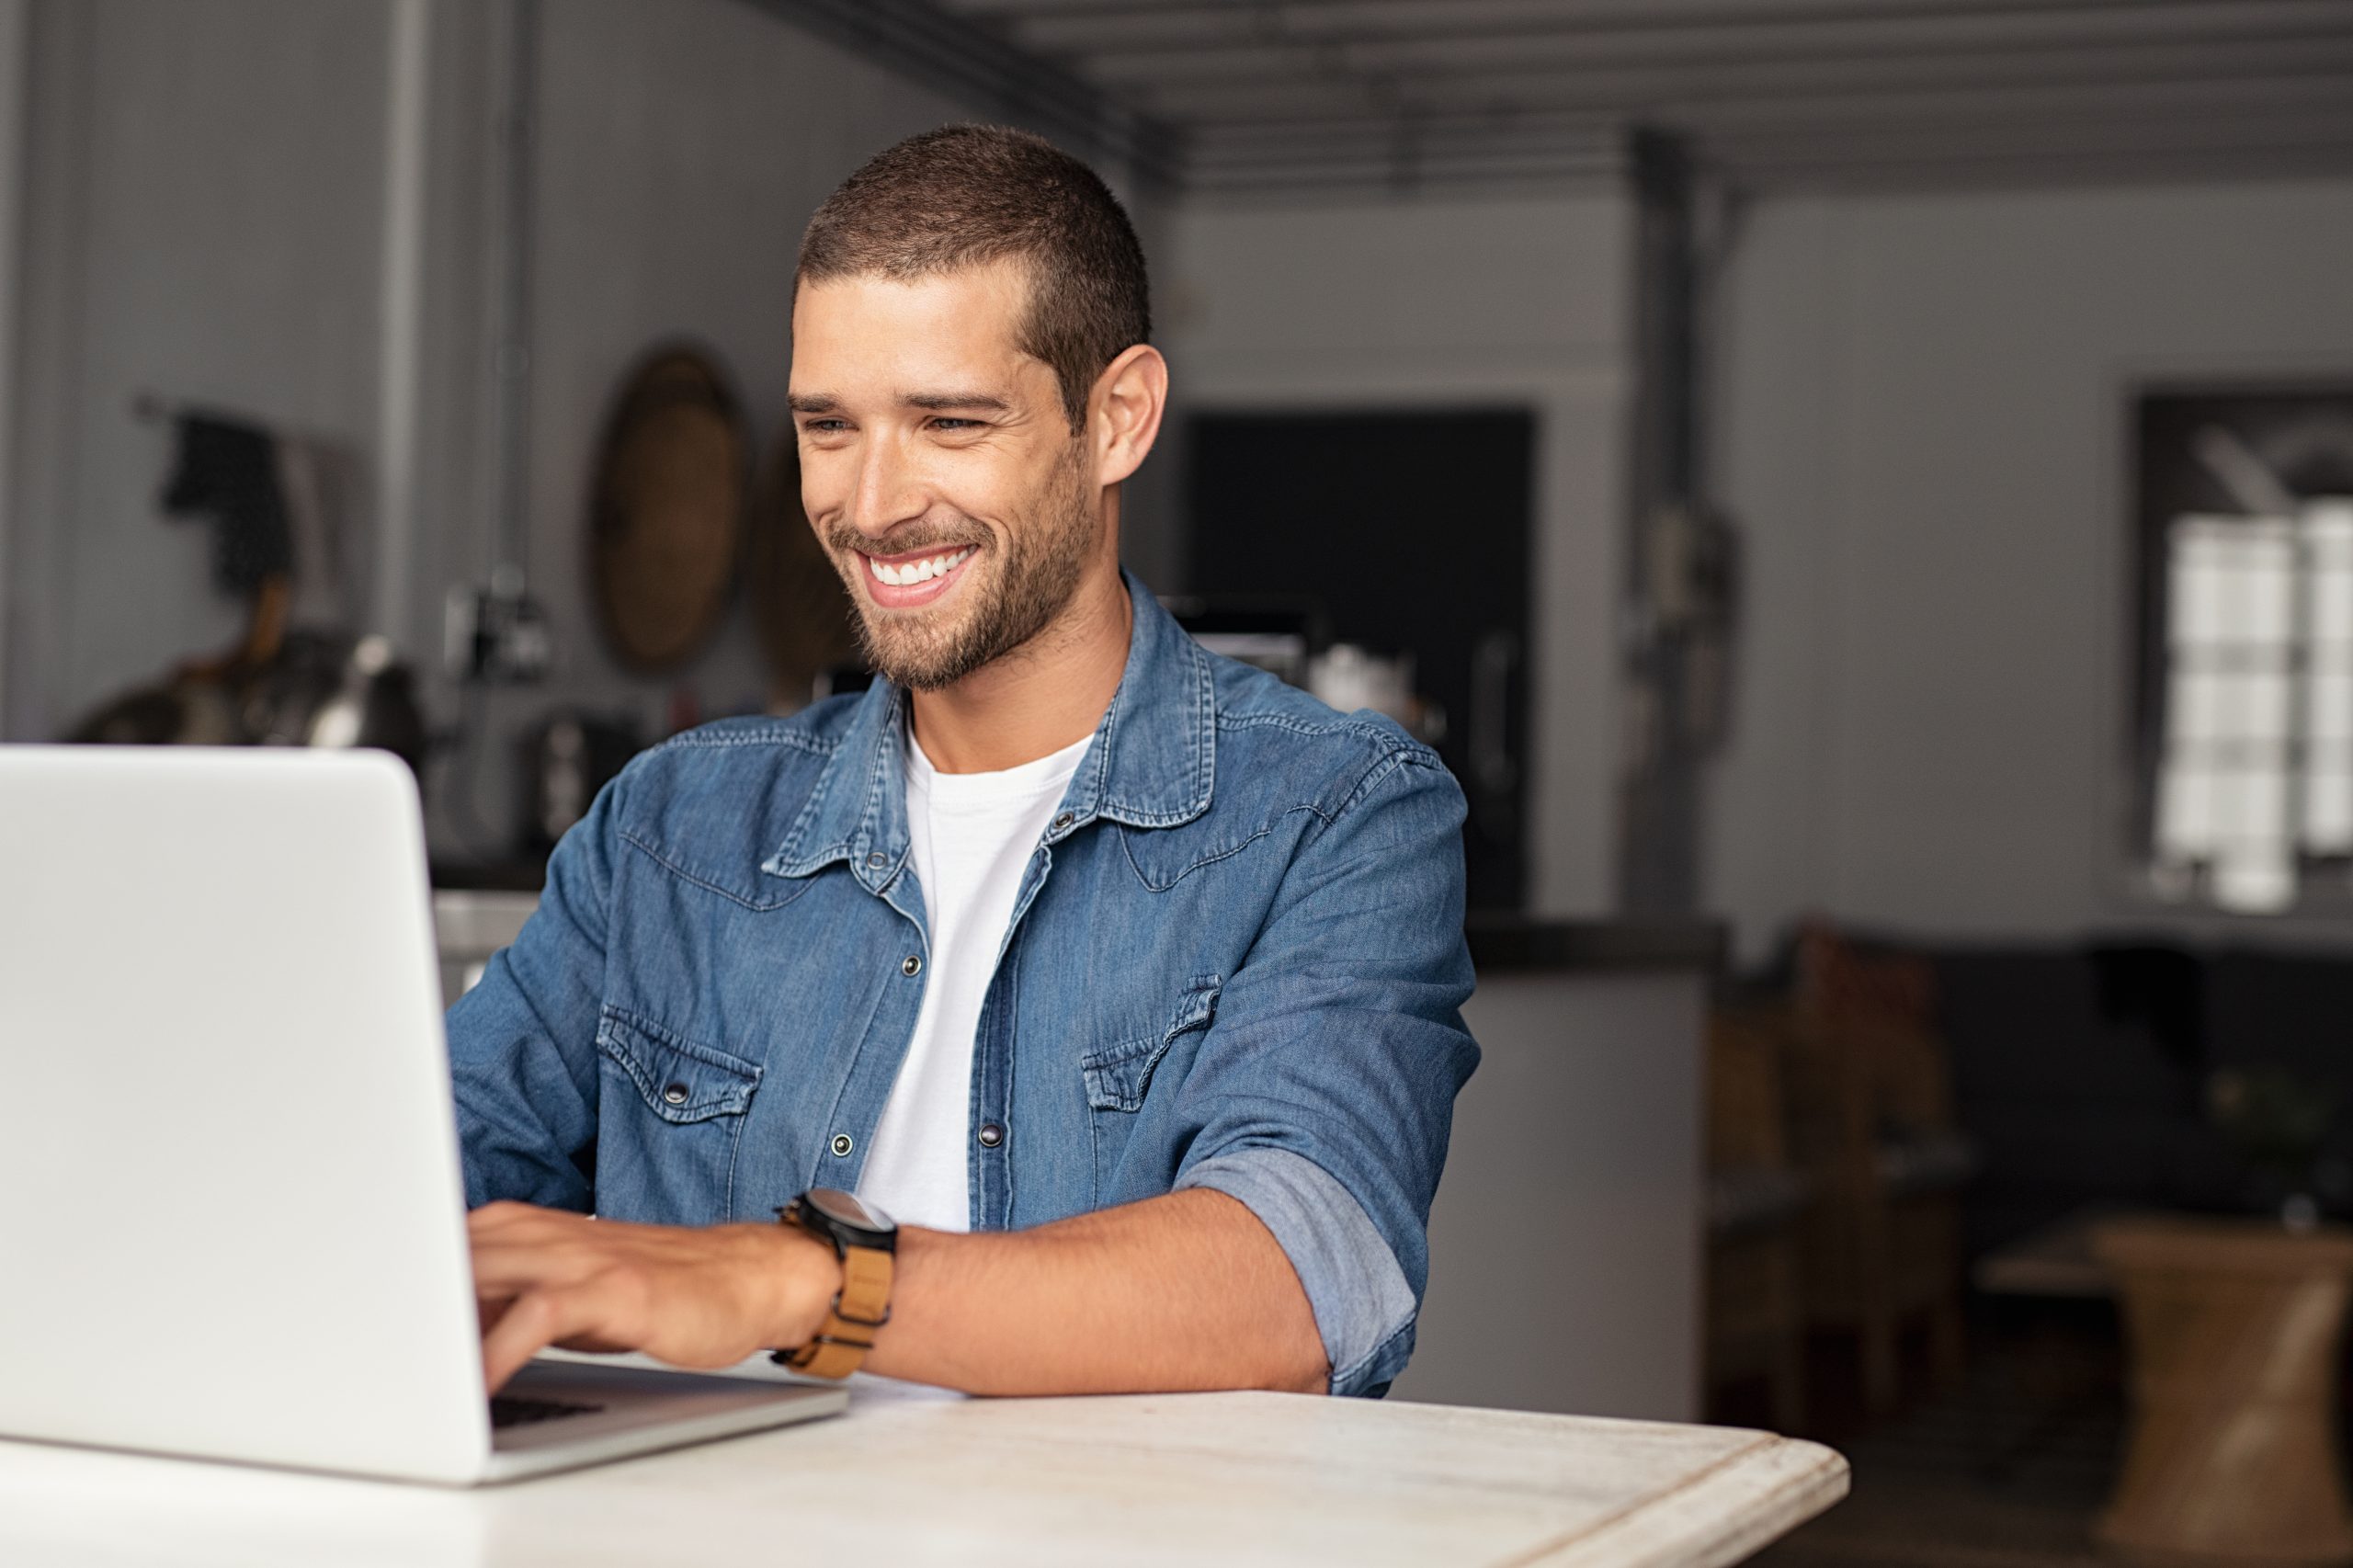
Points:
[(640, 1411)]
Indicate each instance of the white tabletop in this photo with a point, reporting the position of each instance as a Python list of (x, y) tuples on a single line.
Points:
[(1233, 1478)]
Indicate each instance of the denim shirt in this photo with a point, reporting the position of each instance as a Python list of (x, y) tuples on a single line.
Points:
[(1236, 960)]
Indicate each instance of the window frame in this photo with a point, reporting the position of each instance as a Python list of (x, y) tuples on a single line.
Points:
[(2166, 483)]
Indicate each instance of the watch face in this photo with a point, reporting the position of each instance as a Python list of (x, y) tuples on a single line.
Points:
[(848, 1208)]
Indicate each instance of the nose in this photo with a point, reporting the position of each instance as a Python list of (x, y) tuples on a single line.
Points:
[(888, 490)]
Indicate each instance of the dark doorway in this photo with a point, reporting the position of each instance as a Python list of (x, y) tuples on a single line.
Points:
[(1410, 531)]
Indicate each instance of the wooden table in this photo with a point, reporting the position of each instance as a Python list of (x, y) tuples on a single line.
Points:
[(2234, 1327), (1234, 1478)]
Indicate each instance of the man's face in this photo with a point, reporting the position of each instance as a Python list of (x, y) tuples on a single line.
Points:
[(938, 467)]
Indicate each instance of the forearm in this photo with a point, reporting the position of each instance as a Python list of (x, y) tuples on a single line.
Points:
[(1185, 1291)]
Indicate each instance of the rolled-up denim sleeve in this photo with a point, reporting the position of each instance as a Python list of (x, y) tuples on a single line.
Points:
[(1324, 1090), (523, 1041), (1361, 1301)]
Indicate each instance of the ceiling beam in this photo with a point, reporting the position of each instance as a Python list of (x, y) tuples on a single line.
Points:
[(1665, 93), (2144, 134), (2002, 139), (1958, 171), (1238, 28), (1591, 15), (1571, 58), (1856, 113), (2287, 127), (1847, 172)]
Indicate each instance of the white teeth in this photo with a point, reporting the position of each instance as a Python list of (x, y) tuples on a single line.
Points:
[(915, 572)]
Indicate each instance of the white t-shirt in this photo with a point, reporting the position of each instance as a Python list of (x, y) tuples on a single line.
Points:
[(971, 835)]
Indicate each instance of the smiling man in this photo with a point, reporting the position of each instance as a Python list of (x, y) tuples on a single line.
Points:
[(1072, 1011)]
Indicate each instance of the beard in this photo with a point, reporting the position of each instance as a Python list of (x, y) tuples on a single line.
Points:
[(1035, 576)]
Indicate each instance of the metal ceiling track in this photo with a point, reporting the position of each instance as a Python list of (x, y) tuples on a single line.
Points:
[(1584, 14), (1066, 31), (1285, 97)]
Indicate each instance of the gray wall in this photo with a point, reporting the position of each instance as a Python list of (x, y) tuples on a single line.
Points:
[(1425, 303), (1921, 418), (202, 218)]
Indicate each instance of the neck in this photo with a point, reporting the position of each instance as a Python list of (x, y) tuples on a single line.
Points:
[(1047, 694)]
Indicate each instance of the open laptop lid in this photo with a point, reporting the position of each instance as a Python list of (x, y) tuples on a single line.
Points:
[(231, 1220)]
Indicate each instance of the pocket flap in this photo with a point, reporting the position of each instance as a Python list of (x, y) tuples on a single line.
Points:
[(1119, 1073), (1197, 1004), (682, 1081)]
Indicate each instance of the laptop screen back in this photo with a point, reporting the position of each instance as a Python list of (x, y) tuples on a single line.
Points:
[(232, 1222)]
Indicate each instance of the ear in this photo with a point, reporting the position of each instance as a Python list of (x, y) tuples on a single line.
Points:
[(1124, 410)]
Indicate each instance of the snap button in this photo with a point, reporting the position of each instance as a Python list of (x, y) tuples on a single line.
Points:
[(911, 967), (991, 1135), (674, 1094), (841, 1145), (876, 859), (1063, 820)]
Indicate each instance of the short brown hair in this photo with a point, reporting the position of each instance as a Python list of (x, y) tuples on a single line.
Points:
[(967, 195)]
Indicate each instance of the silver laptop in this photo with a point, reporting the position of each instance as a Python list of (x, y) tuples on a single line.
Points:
[(232, 1222)]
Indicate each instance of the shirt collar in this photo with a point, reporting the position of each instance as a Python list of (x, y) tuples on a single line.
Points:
[(1154, 763)]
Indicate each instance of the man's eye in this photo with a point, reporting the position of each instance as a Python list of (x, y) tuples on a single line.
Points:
[(826, 427), (955, 423)]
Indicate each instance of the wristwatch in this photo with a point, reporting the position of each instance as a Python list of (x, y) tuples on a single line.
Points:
[(864, 1238)]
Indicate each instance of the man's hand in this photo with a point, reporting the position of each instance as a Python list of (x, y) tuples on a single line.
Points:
[(1188, 1290), (691, 1297)]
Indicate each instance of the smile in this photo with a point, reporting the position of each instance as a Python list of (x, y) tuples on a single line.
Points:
[(907, 573)]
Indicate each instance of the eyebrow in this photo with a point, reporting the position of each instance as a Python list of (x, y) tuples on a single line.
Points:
[(957, 400), (826, 403)]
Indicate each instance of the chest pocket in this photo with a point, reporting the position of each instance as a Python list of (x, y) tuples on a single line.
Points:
[(1119, 1076), (670, 1111)]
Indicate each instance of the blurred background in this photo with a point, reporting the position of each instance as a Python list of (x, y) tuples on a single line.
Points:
[(1860, 491)]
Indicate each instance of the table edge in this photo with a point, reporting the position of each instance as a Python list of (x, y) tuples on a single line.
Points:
[(1721, 1515)]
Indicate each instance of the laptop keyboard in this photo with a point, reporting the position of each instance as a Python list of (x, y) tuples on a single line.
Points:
[(508, 1411)]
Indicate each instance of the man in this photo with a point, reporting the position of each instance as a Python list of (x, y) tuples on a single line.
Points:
[(1125, 976)]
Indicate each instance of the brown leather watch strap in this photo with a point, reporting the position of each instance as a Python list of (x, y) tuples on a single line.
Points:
[(847, 1333)]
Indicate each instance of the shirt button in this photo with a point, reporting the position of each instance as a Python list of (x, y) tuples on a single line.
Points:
[(674, 1094), (991, 1135), (911, 966), (841, 1145), (876, 859), (1062, 821)]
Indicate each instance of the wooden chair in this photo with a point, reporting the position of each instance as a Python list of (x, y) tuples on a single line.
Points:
[(1872, 1126), (1756, 1309)]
